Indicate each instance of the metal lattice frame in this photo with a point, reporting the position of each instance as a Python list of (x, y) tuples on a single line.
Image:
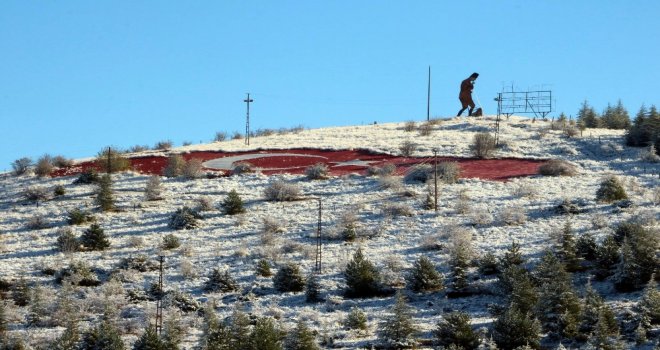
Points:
[(538, 102)]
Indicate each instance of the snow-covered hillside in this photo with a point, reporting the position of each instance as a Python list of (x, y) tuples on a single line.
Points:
[(495, 214)]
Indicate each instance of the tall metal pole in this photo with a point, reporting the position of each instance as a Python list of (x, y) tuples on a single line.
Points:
[(435, 178), (247, 120), (159, 302), (428, 97), (318, 241), (109, 162)]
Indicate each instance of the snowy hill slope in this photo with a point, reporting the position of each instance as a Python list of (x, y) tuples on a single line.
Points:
[(495, 214)]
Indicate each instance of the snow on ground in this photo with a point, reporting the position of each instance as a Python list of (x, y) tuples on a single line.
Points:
[(236, 243)]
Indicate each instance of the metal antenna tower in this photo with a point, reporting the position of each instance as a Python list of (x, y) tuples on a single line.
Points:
[(159, 302), (317, 266), (247, 120), (428, 98)]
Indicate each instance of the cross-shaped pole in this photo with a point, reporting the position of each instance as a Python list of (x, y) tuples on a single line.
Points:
[(247, 120)]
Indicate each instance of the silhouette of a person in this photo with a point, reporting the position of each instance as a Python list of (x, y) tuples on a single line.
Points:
[(465, 96)]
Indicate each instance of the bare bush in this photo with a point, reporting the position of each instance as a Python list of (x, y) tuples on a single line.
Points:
[(111, 160), (135, 241), (37, 222), (187, 269), (281, 191), (21, 166), (650, 155), (62, 162), (432, 242), (153, 191), (175, 164), (397, 209), (407, 148), (236, 135), (35, 194), (425, 129), (272, 225), (409, 126), (44, 166), (513, 215), (220, 136), (163, 145), (390, 182), (318, 171), (483, 145), (138, 148), (418, 173), (571, 131), (524, 190), (205, 203), (557, 167), (449, 172), (481, 216), (384, 170), (241, 168), (192, 169)]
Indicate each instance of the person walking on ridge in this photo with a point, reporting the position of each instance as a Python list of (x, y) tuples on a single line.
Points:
[(465, 96)]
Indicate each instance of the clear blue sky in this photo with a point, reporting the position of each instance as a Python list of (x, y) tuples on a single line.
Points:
[(76, 76)]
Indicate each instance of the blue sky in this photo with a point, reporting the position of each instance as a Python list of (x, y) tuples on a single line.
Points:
[(77, 76)]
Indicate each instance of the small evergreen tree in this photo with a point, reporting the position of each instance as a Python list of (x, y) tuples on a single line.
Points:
[(110, 160), (512, 256), (592, 302), (289, 279), (266, 335), (650, 302), (356, 320), (149, 340), (313, 289), (459, 264), (424, 277), (569, 253), (153, 191), (398, 329), (607, 256), (301, 338), (586, 246), (362, 277), (68, 340), (488, 264), (104, 194), (263, 268), (184, 218), (94, 238), (514, 328), (454, 329), (233, 204), (38, 307), (78, 216), (220, 282), (626, 273), (104, 336), (611, 190), (606, 333), (216, 335), (588, 116), (239, 330), (21, 292)]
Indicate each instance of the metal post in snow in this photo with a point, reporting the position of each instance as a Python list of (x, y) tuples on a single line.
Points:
[(247, 120)]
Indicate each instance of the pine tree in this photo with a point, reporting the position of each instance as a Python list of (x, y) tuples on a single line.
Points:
[(263, 268), (512, 257), (607, 256), (233, 204), (626, 274), (356, 320), (362, 277), (68, 340), (524, 294), (558, 308), (173, 333), (38, 307), (220, 281), (301, 338), (216, 335), (568, 249), (266, 335), (454, 329), (606, 333), (459, 264), (149, 340), (514, 328), (587, 116), (424, 277), (104, 336), (398, 329), (586, 246), (289, 279), (94, 238), (104, 193), (21, 292), (591, 305), (611, 190), (313, 289), (3, 319), (650, 303), (239, 330)]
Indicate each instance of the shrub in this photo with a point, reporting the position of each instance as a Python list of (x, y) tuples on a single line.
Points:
[(513, 215), (488, 264), (419, 173), (424, 277), (454, 329), (362, 277), (37, 222), (390, 182), (21, 166), (163, 145), (426, 129), (289, 279), (236, 135), (78, 217), (140, 262), (407, 148), (263, 268), (318, 171), (171, 241), (104, 194), (266, 334), (650, 155), (356, 320), (384, 170), (78, 273), (557, 167), (571, 131), (611, 190), (397, 209), (62, 162), (220, 282), (483, 145), (59, 191), (220, 136), (36, 194), (233, 204), (241, 168), (94, 238), (174, 167), (67, 241), (44, 166), (110, 160), (88, 176), (398, 329), (184, 218), (192, 169), (301, 338), (280, 191), (409, 126), (272, 225), (313, 289), (153, 191), (449, 172), (104, 336), (515, 328)]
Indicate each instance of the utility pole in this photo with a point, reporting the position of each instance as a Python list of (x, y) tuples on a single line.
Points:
[(428, 98), (159, 302), (109, 161), (317, 266), (435, 178), (247, 120)]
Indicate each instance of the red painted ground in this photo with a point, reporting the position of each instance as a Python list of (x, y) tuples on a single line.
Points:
[(491, 169)]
